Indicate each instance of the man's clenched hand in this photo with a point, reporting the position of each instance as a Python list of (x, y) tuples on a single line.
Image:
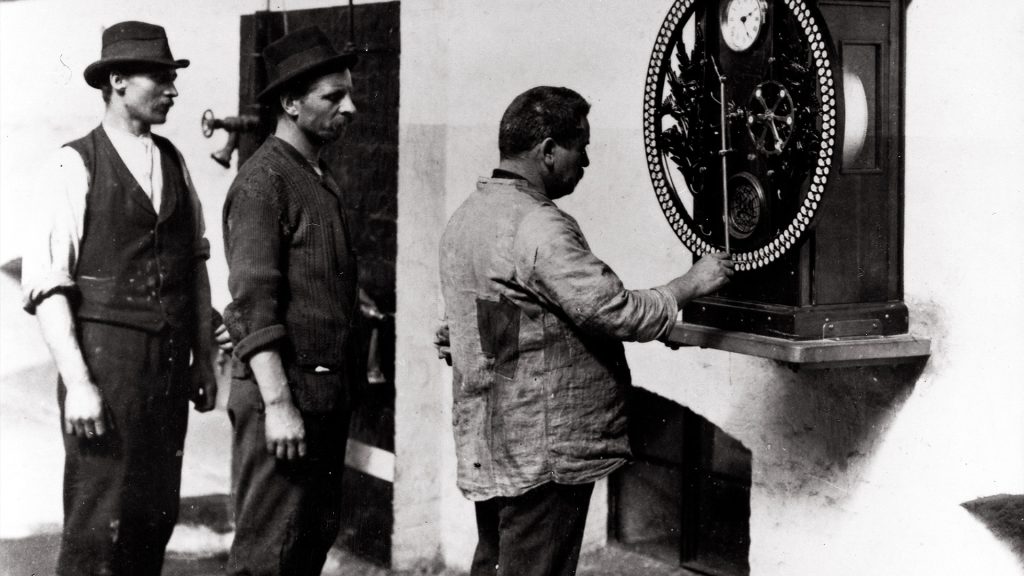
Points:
[(83, 411), (286, 435), (706, 276)]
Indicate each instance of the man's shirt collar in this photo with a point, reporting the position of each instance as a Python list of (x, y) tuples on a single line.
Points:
[(506, 175)]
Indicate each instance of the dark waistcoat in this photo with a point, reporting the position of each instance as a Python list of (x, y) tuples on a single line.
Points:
[(135, 267)]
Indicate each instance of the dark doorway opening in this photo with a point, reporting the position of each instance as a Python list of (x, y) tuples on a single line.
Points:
[(685, 499), (366, 165)]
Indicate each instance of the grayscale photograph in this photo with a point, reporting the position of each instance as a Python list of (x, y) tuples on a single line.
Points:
[(511, 288)]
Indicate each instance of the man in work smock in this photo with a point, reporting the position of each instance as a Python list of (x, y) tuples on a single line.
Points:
[(535, 322), (116, 273), (292, 317)]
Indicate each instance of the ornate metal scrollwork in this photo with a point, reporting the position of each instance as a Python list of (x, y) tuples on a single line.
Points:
[(791, 119)]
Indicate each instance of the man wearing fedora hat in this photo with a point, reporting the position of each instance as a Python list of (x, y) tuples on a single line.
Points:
[(293, 284), (117, 276)]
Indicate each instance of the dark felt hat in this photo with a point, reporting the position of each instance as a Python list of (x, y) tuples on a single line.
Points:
[(299, 53), (133, 43)]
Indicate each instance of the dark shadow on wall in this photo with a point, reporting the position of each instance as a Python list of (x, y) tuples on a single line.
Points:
[(826, 423), (1003, 515), (12, 268)]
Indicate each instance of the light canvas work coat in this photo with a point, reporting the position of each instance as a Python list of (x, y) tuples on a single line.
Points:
[(536, 322)]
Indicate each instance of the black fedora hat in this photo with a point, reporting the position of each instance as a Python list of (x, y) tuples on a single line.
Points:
[(133, 43), (302, 52)]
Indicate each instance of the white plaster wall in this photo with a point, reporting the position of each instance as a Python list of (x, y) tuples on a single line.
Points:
[(426, 501)]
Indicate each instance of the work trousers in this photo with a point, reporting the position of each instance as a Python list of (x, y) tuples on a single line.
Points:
[(538, 533), (121, 490), (288, 513)]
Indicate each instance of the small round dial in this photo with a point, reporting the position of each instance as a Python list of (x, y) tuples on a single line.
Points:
[(746, 204), (741, 22)]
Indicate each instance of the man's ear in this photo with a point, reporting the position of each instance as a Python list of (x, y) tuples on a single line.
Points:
[(547, 150), (288, 104), (118, 81)]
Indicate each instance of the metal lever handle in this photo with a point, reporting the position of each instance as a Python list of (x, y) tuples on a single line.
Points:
[(243, 123), (233, 125)]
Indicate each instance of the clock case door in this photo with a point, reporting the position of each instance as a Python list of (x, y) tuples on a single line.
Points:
[(846, 278)]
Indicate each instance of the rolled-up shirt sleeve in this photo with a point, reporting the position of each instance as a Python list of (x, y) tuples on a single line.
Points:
[(252, 242), (554, 261), (54, 238)]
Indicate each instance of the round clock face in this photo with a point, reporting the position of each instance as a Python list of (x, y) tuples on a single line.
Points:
[(741, 22)]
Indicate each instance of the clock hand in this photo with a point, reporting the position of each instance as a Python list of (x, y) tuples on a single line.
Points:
[(744, 20)]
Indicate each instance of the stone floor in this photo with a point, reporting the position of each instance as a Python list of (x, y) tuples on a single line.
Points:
[(37, 555)]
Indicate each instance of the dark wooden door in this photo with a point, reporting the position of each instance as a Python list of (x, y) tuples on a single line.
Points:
[(366, 164)]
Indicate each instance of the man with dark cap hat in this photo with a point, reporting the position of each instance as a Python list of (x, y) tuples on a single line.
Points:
[(117, 276), (293, 284)]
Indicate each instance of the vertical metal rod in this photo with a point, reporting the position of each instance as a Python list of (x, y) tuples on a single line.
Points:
[(723, 152), (351, 24)]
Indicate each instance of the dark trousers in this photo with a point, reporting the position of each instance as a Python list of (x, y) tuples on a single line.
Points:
[(538, 533), (287, 513), (121, 490)]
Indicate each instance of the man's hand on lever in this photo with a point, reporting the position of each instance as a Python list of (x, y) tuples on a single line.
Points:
[(706, 276)]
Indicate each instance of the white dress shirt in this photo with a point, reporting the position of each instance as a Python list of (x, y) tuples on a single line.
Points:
[(143, 160)]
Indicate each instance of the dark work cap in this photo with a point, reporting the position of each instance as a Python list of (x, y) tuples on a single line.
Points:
[(134, 43), (301, 52)]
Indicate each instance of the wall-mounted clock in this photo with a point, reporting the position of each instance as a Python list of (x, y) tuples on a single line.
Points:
[(814, 226), (741, 22)]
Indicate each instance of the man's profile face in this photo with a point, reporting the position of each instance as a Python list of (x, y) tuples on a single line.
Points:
[(148, 96), (569, 162), (327, 108)]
